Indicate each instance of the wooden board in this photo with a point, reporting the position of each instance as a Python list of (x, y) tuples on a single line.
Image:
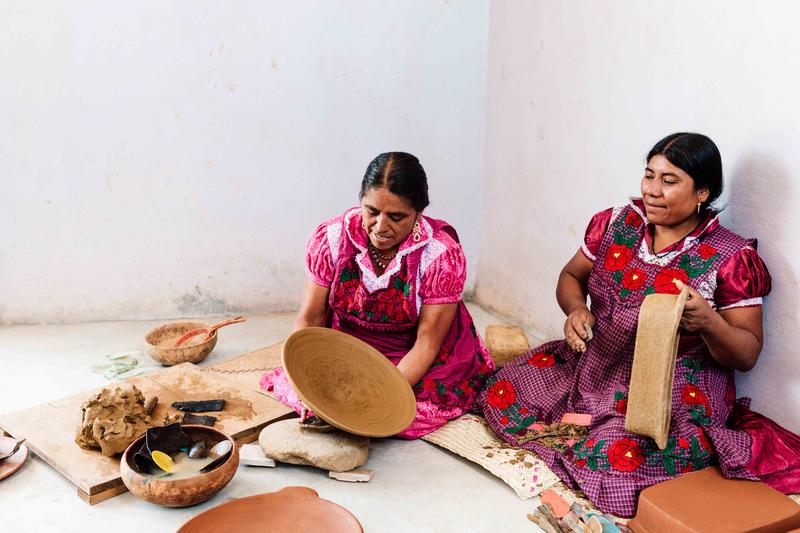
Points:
[(50, 428)]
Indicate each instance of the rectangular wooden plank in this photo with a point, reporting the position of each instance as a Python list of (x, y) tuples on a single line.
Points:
[(50, 428)]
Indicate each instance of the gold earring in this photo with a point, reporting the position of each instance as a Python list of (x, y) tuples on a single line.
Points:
[(416, 233), (698, 207)]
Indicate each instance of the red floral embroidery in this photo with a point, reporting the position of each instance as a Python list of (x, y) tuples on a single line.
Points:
[(705, 251), (348, 286), (504, 420), (428, 384), (664, 282), (622, 406), (542, 360), (501, 395), (625, 455), (633, 219), (692, 395), (620, 402), (634, 279), (688, 467), (393, 304), (683, 443), (580, 463), (617, 257)]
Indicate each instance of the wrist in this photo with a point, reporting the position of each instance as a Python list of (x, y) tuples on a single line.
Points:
[(710, 322), (579, 306)]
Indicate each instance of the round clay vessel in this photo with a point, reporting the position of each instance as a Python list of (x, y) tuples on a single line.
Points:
[(186, 353), (296, 509), (348, 383), (180, 492)]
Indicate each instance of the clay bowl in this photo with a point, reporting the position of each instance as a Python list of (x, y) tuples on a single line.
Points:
[(187, 353), (298, 509), (348, 383), (180, 492)]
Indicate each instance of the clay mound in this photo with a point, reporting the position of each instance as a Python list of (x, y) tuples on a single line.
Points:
[(112, 419)]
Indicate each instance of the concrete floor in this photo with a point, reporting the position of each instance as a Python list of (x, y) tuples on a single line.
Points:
[(417, 486)]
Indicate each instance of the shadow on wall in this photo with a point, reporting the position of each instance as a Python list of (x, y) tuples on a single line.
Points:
[(759, 206)]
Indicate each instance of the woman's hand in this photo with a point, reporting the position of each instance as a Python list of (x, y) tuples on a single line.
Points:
[(578, 329), (733, 336), (697, 314), (571, 295)]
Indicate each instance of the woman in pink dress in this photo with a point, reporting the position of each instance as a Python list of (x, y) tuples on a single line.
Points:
[(393, 277)]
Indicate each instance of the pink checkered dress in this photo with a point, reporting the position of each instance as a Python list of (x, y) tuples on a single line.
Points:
[(384, 311), (611, 465)]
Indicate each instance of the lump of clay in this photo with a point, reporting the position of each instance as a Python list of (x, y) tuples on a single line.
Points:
[(286, 441), (112, 419)]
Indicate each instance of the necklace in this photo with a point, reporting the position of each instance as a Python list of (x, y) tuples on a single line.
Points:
[(659, 255), (378, 258)]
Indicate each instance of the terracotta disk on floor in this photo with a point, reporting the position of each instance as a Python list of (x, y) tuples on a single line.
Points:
[(298, 509)]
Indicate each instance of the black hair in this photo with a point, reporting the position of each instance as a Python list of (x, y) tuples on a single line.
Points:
[(698, 156), (401, 174)]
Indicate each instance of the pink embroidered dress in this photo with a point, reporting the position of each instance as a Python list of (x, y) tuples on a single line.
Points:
[(611, 465), (384, 311)]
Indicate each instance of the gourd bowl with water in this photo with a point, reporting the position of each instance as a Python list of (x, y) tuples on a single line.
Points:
[(181, 489)]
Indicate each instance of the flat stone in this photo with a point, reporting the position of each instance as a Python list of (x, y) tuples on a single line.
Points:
[(253, 455), (360, 475), (286, 442)]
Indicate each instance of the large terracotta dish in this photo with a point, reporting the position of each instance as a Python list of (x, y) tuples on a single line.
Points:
[(12, 464), (296, 509), (186, 353), (180, 492), (348, 383)]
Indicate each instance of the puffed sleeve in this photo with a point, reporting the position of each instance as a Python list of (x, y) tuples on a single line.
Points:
[(319, 260), (594, 233), (742, 281), (443, 281)]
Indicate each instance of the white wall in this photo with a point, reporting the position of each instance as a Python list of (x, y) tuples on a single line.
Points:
[(577, 94), (162, 159)]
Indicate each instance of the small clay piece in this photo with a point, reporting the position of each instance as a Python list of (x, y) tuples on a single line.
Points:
[(198, 450), (150, 404), (112, 419), (588, 329), (202, 420), (199, 406)]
